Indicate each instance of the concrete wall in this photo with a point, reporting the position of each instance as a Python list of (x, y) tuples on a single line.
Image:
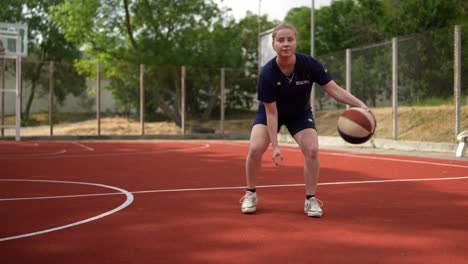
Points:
[(72, 104)]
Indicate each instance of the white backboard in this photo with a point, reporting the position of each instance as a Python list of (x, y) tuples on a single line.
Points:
[(9, 36), (265, 48)]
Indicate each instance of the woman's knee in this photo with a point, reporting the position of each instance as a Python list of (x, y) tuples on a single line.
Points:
[(310, 152), (256, 151)]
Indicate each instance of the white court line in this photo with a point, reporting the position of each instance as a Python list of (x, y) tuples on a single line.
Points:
[(127, 202), (130, 196), (238, 187), (301, 184), (93, 155), (395, 159), (83, 146), (59, 196), (361, 155), (36, 155)]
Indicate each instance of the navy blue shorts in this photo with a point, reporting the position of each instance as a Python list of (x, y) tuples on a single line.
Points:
[(294, 125)]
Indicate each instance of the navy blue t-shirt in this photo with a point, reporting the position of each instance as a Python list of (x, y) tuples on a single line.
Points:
[(291, 93)]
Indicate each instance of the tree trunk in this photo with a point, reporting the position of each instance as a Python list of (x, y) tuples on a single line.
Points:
[(34, 80), (211, 103), (166, 108)]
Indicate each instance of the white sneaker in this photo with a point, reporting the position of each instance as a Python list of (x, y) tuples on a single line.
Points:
[(312, 207), (249, 202)]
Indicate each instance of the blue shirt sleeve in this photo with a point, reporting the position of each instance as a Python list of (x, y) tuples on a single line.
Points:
[(266, 89), (320, 73)]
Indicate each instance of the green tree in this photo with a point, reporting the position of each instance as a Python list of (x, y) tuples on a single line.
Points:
[(45, 44), (427, 57), (415, 16), (343, 24), (300, 18), (123, 35)]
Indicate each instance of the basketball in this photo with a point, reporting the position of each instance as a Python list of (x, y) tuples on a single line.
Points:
[(356, 125)]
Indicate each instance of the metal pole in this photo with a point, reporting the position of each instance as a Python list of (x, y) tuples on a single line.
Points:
[(259, 22), (312, 50), (312, 29), (3, 96), (456, 76), (18, 86), (348, 72), (222, 86), (142, 99), (259, 16), (395, 87), (98, 99), (182, 110), (51, 97)]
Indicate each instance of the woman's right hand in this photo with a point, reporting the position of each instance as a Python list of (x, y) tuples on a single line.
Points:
[(277, 156)]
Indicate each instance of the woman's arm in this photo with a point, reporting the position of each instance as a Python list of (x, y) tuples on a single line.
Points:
[(343, 96), (272, 125)]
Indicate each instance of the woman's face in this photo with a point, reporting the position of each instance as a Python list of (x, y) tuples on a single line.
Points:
[(285, 42)]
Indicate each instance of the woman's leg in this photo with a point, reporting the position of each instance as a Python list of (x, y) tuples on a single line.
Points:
[(307, 140), (259, 141)]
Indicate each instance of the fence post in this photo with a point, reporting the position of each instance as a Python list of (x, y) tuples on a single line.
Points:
[(348, 72), (395, 87), (222, 84), (142, 99), (3, 96), (98, 99), (312, 52), (182, 110), (456, 77), (51, 97), (19, 87)]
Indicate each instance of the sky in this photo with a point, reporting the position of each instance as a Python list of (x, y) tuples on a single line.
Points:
[(275, 9)]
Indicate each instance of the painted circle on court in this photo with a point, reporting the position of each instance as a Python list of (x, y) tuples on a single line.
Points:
[(126, 203)]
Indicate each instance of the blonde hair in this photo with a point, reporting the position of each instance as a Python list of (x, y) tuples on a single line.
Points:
[(283, 26)]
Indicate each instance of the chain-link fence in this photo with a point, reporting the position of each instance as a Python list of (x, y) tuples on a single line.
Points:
[(425, 90), (463, 78), (61, 99), (8, 96)]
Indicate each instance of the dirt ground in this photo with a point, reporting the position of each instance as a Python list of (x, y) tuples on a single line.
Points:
[(431, 123)]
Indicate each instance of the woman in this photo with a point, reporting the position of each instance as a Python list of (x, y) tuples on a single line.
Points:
[(284, 88)]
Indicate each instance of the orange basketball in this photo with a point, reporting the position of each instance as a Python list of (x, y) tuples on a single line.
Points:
[(356, 125)]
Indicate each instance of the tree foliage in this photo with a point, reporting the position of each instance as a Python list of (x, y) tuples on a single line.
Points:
[(167, 34), (426, 60), (124, 34), (46, 44)]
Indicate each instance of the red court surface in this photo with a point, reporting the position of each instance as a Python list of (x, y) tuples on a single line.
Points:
[(178, 202)]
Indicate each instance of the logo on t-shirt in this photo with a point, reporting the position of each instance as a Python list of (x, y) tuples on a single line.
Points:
[(302, 82)]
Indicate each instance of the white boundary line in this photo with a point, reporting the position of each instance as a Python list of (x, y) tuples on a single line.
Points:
[(35, 155), (83, 146), (127, 202), (301, 184), (93, 155), (130, 196), (236, 188), (366, 156)]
